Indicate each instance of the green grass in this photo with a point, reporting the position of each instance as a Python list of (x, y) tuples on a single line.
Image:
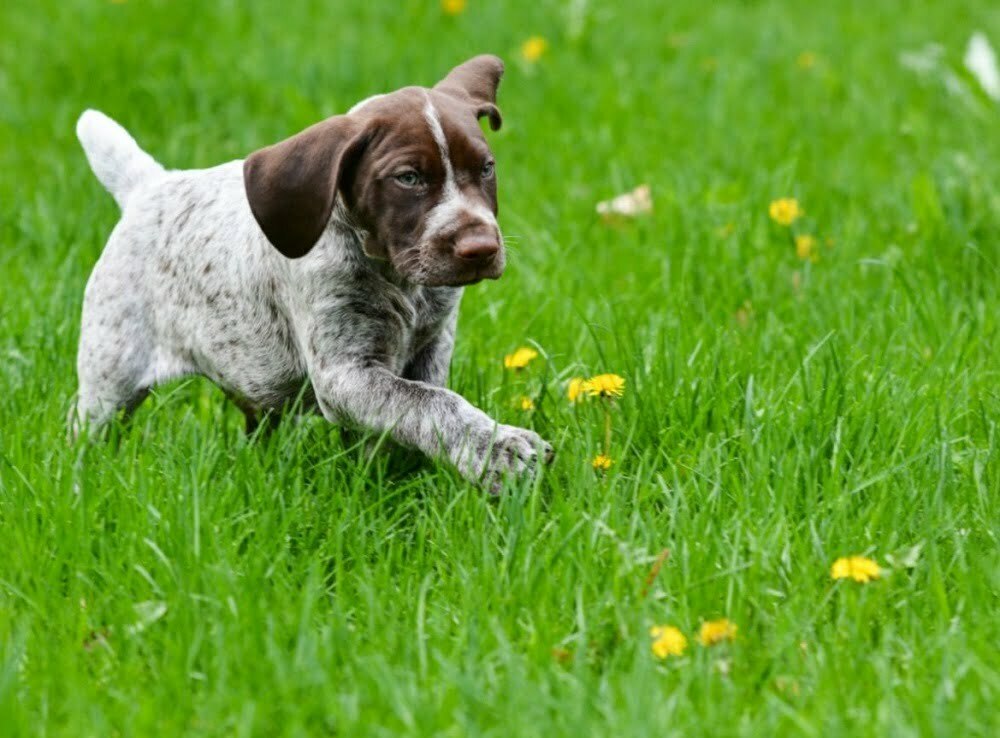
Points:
[(184, 580)]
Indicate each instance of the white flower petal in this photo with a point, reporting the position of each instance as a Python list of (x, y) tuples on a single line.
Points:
[(981, 60), (629, 204)]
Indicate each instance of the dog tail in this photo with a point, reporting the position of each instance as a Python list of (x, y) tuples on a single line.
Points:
[(114, 155)]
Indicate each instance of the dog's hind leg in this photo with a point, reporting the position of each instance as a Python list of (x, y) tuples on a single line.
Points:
[(116, 361), (256, 418), (113, 378)]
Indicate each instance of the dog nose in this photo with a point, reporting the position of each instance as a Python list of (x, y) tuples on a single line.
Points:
[(477, 248)]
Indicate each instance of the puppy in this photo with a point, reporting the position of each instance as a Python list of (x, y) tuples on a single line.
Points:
[(333, 260)]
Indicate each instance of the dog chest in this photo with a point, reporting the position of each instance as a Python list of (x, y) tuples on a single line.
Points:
[(434, 310)]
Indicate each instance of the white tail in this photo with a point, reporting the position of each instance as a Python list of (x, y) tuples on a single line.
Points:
[(114, 155)]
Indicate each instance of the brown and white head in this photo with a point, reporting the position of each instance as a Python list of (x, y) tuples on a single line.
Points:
[(411, 170)]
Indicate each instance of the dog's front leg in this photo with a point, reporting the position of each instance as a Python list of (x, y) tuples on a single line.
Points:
[(432, 419), (432, 363)]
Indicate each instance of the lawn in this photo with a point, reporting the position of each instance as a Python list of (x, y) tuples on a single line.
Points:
[(779, 412)]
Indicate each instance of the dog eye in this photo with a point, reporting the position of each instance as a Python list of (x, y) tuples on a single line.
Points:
[(488, 169), (409, 178)]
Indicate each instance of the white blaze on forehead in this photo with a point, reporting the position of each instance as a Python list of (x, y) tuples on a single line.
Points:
[(430, 113), (453, 202)]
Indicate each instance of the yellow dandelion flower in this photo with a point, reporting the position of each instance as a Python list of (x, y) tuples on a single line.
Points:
[(744, 314), (785, 211), (858, 568), (520, 358), (605, 385), (716, 631), (575, 389), (527, 403), (453, 7), (806, 60), (533, 48), (805, 248), (667, 641), (602, 462)]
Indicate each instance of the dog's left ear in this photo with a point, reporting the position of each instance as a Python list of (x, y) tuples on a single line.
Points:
[(292, 186), (476, 82)]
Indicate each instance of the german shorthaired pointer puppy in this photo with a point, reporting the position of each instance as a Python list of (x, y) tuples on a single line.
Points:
[(333, 260)]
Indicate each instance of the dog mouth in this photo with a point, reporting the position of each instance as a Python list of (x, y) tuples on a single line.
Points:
[(451, 271), (453, 279), (474, 279)]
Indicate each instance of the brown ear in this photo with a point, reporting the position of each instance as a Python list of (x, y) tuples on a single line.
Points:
[(476, 81), (292, 185)]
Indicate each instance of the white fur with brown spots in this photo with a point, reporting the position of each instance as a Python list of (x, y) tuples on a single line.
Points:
[(190, 283)]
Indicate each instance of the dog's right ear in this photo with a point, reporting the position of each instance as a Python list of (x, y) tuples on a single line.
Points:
[(476, 81), (292, 186)]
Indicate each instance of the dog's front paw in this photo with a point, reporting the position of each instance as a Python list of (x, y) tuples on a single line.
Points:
[(506, 451)]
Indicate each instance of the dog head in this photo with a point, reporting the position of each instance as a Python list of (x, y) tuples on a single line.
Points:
[(413, 171)]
